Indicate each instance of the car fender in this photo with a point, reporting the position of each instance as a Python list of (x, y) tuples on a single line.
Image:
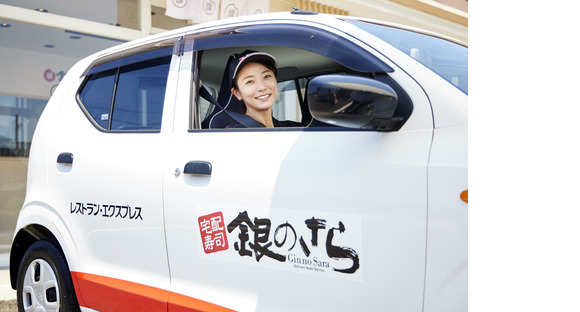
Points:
[(40, 214)]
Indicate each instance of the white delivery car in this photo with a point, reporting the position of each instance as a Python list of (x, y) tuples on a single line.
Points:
[(140, 198)]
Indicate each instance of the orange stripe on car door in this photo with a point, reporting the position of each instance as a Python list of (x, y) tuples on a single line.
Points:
[(110, 294)]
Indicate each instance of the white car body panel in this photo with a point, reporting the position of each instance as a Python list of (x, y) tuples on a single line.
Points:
[(398, 267), (130, 199)]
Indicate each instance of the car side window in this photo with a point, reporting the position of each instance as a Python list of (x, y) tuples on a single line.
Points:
[(129, 96), (286, 107), (97, 94), (302, 53), (296, 67)]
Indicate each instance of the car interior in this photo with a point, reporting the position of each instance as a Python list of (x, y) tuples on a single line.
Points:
[(295, 68)]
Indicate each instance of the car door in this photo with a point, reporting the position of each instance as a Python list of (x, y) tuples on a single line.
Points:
[(107, 180), (295, 219)]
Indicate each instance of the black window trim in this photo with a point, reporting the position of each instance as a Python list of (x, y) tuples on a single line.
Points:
[(287, 34)]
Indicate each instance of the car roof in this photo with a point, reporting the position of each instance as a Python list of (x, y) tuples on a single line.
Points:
[(339, 22)]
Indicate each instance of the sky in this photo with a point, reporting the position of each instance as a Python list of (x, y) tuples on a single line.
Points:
[(524, 160)]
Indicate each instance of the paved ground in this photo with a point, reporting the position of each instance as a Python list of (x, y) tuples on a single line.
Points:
[(6, 291), (7, 294)]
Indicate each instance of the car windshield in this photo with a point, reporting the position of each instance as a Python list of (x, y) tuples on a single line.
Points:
[(446, 58)]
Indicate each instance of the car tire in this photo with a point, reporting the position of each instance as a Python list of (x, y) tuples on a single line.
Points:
[(44, 280)]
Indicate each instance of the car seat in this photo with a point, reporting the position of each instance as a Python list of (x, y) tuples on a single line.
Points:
[(219, 118)]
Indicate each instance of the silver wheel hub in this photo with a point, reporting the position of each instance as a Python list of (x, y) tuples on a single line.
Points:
[(40, 290)]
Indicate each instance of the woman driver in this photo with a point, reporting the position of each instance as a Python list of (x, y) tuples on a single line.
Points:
[(253, 80)]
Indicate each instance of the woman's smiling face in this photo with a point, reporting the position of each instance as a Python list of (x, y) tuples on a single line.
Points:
[(257, 87)]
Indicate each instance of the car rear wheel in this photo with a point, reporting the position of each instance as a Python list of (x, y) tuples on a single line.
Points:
[(44, 281)]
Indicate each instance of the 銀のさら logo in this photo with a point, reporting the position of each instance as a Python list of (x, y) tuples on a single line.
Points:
[(309, 244), (179, 3), (209, 6)]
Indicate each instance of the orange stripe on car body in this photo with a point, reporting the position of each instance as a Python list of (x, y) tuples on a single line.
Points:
[(110, 294), (181, 303)]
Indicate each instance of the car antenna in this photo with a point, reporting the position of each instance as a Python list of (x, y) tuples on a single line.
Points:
[(302, 12)]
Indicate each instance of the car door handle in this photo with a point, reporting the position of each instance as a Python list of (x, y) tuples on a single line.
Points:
[(198, 168), (64, 158)]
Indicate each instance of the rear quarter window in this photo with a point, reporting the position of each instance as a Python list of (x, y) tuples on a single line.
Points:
[(129, 96), (97, 94)]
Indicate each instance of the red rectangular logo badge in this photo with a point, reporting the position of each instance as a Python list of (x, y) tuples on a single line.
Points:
[(213, 232)]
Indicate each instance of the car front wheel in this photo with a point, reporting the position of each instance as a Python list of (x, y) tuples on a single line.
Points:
[(44, 281)]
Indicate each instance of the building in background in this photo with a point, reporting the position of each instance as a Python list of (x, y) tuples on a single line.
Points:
[(40, 40)]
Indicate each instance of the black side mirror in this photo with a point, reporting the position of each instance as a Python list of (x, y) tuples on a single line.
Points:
[(353, 102)]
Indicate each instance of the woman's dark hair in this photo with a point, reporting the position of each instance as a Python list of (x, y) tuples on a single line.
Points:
[(243, 108)]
